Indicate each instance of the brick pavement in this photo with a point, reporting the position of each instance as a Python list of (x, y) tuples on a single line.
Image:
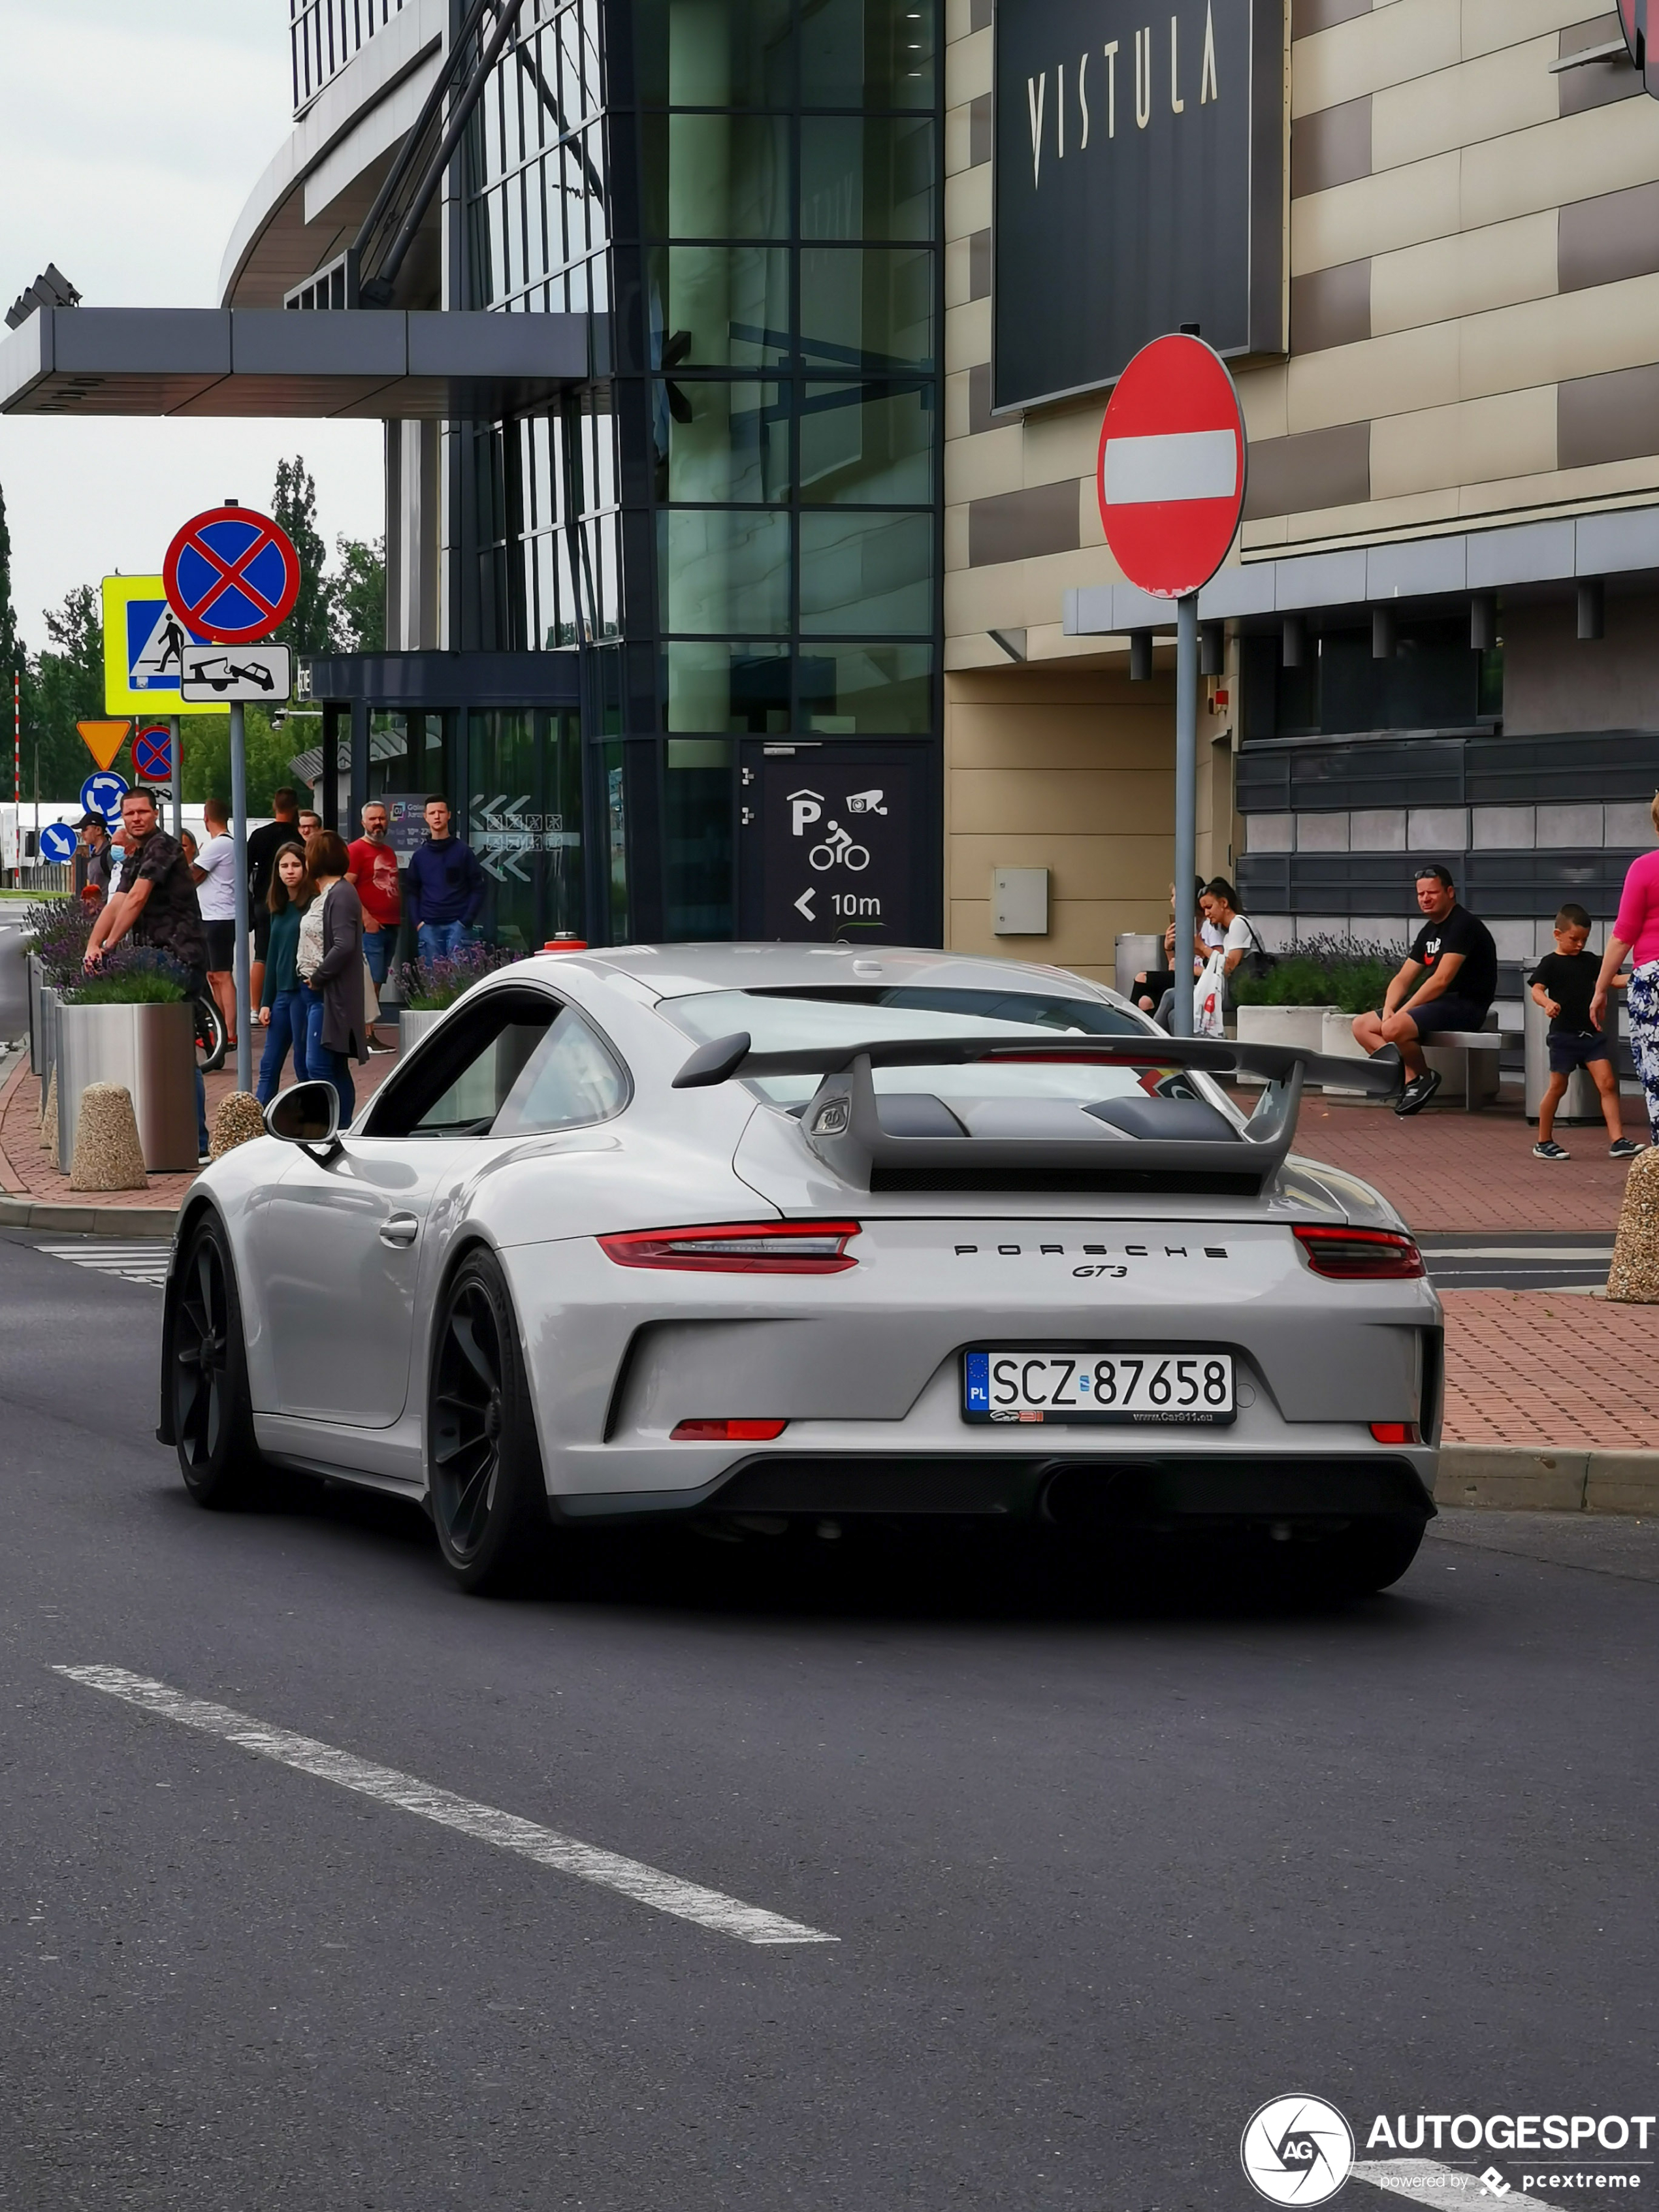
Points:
[(1536, 1368), (25, 1171), (1447, 1169)]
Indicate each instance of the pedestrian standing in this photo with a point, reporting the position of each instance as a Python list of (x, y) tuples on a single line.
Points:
[(310, 823), (155, 903), (97, 863), (1636, 932), (214, 873), (1563, 984), (373, 876), (263, 846), (1446, 981), (330, 958), (283, 1005), (444, 886)]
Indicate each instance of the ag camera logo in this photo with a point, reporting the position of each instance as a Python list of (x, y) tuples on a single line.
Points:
[(1296, 2150)]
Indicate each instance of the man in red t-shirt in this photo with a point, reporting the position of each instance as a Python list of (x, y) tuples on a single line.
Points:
[(373, 873)]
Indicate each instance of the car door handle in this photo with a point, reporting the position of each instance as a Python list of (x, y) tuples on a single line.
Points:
[(401, 1229)]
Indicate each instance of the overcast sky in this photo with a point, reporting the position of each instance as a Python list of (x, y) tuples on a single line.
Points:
[(132, 136)]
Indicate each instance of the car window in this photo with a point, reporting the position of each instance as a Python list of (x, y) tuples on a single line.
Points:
[(514, 1062), (568, 1081)]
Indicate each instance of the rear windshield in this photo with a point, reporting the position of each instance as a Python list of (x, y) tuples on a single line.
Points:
[(784, 1021)]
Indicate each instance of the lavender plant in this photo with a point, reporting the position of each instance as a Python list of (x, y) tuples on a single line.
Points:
[(430, 985)]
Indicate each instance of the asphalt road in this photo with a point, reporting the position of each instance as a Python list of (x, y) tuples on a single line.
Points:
[(1106, 1871)]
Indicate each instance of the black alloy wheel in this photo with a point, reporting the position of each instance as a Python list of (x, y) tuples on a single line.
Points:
[(207, 1374), (484, 1465)]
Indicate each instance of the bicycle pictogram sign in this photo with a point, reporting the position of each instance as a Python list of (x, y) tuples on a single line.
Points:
[(839, 846), (232, 575)]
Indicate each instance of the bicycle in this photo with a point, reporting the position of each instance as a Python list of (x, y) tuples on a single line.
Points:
[(210, 1034)]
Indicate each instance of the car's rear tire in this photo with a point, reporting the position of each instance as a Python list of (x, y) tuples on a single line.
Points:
[(208, 1401), (484, 1477)]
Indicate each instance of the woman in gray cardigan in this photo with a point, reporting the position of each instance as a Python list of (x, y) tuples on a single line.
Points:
[(334, 1024)]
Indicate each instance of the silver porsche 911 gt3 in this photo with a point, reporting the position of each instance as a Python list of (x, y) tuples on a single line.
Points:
[(780, 1234)]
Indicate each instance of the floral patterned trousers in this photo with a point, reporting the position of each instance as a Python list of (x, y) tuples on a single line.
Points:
[(1644, 1035)]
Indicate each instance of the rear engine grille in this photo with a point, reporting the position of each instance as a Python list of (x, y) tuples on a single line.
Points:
[(1176, 1183)]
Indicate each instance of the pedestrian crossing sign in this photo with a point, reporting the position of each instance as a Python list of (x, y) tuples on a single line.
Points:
[(143, 649)]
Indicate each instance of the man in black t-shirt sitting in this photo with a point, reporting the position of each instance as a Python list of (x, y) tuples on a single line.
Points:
[(1448, 980)]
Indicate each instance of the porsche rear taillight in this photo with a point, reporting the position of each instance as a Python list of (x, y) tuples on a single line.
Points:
[(743, 1248), (1358, 1256)]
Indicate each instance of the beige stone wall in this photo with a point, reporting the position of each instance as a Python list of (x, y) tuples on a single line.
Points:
[(1071, 767), (1474, 307)]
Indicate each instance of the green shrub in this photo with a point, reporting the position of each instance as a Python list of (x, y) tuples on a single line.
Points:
[(1349, 972), (140, 989)]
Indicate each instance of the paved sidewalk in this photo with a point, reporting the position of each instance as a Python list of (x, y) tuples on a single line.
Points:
[(26, 1172), (1533, 1368), (1447, 1169)]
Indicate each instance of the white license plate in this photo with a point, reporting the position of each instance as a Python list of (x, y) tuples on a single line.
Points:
[(1143, 1386)]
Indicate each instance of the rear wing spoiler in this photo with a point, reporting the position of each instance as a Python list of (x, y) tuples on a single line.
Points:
[(842, 1122)]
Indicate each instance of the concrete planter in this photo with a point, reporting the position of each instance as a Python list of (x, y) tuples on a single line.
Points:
[(1298, 1025), (414, 1022), (44, 1006), (1336, 1038), (149, 1050), (1136, 954)]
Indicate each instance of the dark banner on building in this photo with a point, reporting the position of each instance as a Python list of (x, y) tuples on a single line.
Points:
[(835, 847), (1139, 185)]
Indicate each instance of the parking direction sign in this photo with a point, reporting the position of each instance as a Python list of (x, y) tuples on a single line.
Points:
[(102, 794), (58, 843), (236, 672), (143, 648), (232, 575), (1170, 470), (152, 753)]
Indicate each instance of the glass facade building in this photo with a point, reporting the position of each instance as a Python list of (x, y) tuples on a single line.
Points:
[(732, 528)]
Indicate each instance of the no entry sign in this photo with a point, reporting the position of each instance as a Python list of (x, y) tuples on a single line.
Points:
[(1170, 473), (232, 575)]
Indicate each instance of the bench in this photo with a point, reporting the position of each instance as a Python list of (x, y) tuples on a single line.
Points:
[(1468, 1040)]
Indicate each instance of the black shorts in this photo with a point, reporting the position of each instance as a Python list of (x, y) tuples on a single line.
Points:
[(1575, 1048), (221, 946), (261, 931), (1447, 1013)]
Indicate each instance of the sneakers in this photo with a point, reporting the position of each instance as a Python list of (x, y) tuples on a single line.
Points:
[(1549, 1150), (1416, 1096), (1625, 1149)]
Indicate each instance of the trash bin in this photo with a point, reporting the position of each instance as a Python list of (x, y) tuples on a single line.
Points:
[(1581, 1102), (1138, 954)]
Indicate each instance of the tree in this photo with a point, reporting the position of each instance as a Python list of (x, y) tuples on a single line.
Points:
[(360, 595), (294, 504), (206, 743)]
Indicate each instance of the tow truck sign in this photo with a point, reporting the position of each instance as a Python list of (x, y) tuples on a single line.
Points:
[(263, 674)]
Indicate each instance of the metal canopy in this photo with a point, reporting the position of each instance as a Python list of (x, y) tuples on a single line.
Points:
[(377, 364)]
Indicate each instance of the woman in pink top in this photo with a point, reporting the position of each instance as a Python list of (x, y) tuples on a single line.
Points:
[(1635, 934)]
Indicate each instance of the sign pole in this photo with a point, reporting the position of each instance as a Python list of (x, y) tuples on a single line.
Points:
[(1186, 808), (177, 764), (238, 838)]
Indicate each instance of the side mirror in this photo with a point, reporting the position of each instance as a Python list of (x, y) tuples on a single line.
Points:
[(307, 1114)]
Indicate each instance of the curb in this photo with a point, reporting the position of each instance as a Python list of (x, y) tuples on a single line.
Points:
[(1514, 1477), (157, 1221)]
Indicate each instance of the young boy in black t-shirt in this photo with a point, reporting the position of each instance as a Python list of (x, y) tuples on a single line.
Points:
[(1563, 984)]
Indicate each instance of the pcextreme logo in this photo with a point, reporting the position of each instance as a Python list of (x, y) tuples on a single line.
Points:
[(1296, 2150)]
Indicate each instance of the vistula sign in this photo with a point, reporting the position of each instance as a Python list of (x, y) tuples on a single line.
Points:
[(1139, 185)]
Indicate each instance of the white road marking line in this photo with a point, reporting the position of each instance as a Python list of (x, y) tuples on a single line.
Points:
[(134, 1262), (1440, 2188), (646, 1885)]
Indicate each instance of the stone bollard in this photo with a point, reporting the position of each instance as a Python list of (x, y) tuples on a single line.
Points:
[(239, 1119), (1633, 1279), (49, 1118), (107, 1153)]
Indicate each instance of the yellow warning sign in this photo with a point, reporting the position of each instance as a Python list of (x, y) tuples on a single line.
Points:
[(144, 646), (103, 740)]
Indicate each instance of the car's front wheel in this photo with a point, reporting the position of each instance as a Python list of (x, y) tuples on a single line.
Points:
[(484, 1465), (207, 1374)]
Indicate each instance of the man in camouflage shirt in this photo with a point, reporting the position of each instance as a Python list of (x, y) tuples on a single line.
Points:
[(154, 903)]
